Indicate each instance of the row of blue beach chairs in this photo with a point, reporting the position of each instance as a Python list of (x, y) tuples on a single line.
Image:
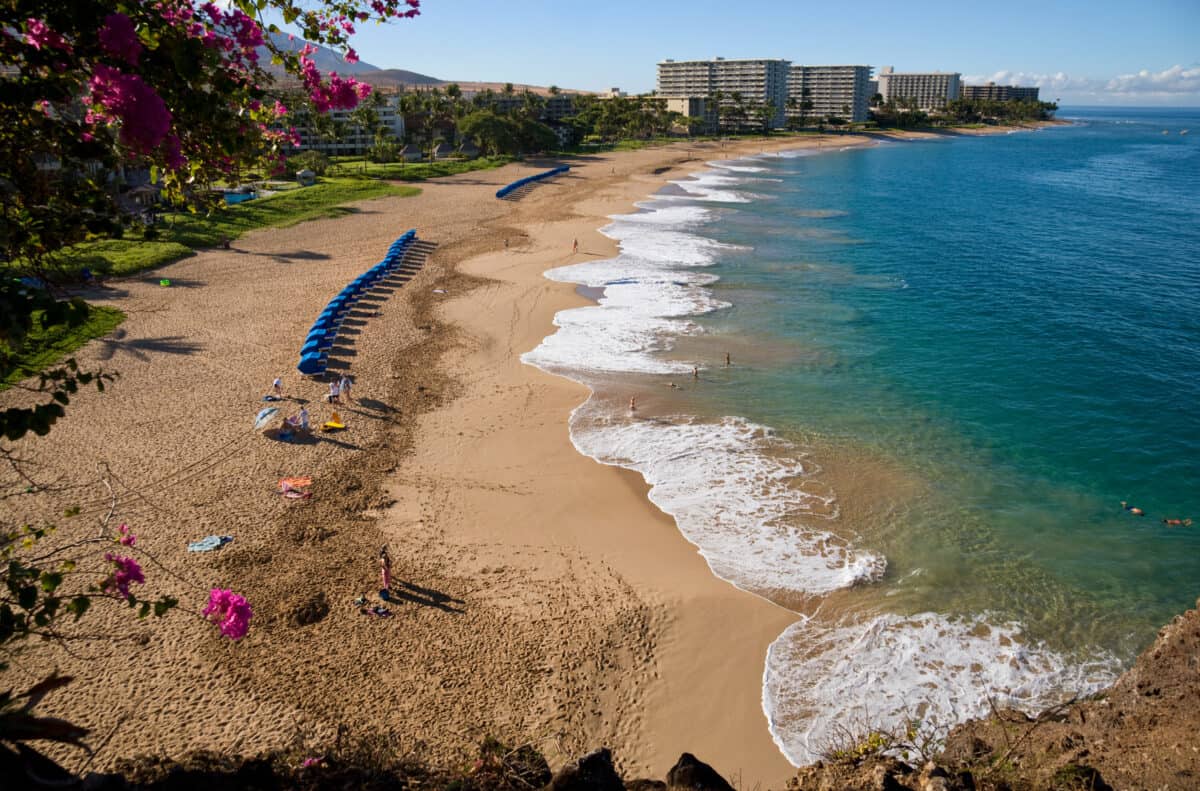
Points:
[(516, 185), (314, 354)]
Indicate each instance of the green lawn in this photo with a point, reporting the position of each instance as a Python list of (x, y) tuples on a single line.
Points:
[(360, 167), (44, 348), (180, 234)]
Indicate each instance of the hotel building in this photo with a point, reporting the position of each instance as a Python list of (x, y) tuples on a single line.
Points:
[(756, 80), (999, 93), (839, 91), (929, 91), (696, 107), (354, 139)]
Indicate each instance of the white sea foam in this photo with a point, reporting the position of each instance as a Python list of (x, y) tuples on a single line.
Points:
[(708, 185), (824, 684), (725, 165), (650, 289), (737, 494)]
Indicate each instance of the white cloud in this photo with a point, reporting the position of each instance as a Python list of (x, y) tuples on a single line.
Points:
[(1174, 80), (1059, 82)]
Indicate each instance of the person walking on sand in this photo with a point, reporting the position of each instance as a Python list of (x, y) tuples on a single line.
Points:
[(344, 388), (575, 246), (385, 568), (334, 393), (277, 386), (303, 416), (632, 403), (728, 362)]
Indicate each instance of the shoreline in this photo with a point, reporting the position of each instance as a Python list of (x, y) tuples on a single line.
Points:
[(543, 595), (712, 636)]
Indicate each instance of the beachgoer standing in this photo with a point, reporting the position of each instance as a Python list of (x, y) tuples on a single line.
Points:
[(385, 568), (277, 385), (334, 393), (575, 246), (303, 418), (728, 362), (344, 388), (632, 403), (695, 372)]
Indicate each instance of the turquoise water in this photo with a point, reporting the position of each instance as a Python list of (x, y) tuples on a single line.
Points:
[(1012, 321), (952, 360)]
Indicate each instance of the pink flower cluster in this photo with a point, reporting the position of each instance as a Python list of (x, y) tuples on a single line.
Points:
[(340, 93), (119, 39), (126, 571), (145, 119), (386, 9), (127, 538), (39, 36), (230, 612)]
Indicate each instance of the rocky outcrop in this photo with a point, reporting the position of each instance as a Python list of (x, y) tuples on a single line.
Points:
[(691, 773), (592, 772)]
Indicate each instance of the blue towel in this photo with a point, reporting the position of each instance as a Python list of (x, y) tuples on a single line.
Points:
[(209, 543)]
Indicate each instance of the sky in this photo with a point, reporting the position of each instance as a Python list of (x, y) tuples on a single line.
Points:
[(1115, 52)]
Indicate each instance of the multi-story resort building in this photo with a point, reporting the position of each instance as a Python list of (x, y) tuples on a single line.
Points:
[(927, 91), (999, 93), (696, 107), (756, 80), (819, 92), (554, 108), (353, 140)]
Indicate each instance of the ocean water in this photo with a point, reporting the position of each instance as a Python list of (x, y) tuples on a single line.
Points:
[(952, 360)]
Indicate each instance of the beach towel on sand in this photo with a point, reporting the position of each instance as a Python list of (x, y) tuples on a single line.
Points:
[(299, 480), (209, 543)]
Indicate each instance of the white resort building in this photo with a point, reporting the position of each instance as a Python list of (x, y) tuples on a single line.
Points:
[(927, 91), (756, 80), (353, 140), (819, 92)]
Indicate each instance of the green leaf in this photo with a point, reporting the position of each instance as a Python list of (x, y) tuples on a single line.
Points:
[(144, 610), (50, 581)]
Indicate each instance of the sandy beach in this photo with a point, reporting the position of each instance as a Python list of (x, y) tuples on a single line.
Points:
[(538, 595)]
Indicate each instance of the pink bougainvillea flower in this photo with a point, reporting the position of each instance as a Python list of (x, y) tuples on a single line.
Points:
[(145, 119), (307, 762), (39, 35), (351, 56), (126, 571), (126, 536), (230, 612), (119, 39)]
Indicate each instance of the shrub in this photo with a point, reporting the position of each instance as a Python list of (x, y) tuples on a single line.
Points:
[(309, 160)]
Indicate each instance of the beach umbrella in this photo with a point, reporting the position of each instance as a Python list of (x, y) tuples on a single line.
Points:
[(264, 416)]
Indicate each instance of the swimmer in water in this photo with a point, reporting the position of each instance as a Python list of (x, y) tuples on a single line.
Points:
[(1177, 522), (1132, 509)]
